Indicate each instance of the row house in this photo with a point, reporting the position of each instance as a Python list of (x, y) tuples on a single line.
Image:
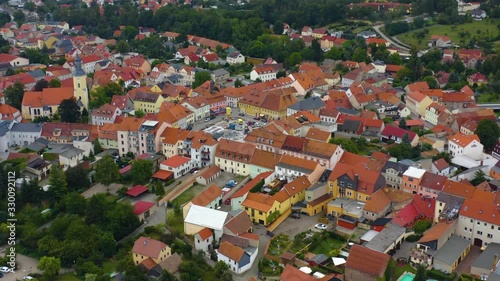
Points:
[(139, 136), (199, 106), (68, 132), (200, 147), (431, 185), (417, 103), (265, 73), (289, 168), (177, 165), (108, 136), (326, 154), (172, 141), (176, 115), (147, 102), (272, 104), (106, 114), (234, 157), (411, 179), (466, 145), (23, 134), (434, 112), (397, 134), (393, 173)]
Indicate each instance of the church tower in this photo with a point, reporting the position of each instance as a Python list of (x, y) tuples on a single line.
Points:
[(80, 91)]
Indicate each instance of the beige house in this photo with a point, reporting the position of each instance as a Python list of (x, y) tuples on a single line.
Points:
[(418, 102), (147, 251)]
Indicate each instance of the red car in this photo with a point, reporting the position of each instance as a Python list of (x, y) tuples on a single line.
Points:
[(228, 202)]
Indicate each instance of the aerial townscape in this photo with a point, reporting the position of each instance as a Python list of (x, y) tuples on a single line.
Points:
[(245, 140)]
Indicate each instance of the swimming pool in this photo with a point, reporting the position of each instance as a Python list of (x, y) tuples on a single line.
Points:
[(406, 277)]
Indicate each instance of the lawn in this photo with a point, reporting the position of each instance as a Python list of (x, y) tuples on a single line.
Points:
[(326, 246), (399, 270), (109, 266), (175, 221), (187, 195), (279, 245), (478, 29)]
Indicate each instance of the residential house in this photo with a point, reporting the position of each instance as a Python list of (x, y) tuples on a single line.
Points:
[(393, 173), (477, 78), (439, 41), (14, 61), (199, 106), (198, 218), (420, 208), (241, 194), (238, 259), (319, 135), (377, 206), (326, 154), (312, 105), (432, 240), (365, 264), (263, 161), (37, 168), (478, 14), (451, 254), (466, 145), (293, 273), (23, 134), (220, 75), (487, 262), (468, 127), (143, 210), (234, 157), (272, 104), (417, 103), (147, 250), (441, 167), (431, 184), (200, 147), (108, 138), (106, 114), (411, 179), (210, 197), (203, 240), (289, 168), (147, 102), (68, 132), (435, 113), (177, 115), (178, 165), (397, 134), (139, 63), (235, 57), (264, 73)]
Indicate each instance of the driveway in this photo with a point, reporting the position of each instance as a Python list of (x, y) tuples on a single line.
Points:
[(404, 250), (292, 227), (254, 270), (100, 188), (26, 266), (465, 265)]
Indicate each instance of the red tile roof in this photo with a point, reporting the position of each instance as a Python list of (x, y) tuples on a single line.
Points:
[(291, 273), (205, 233), (249, 185), (162, 174), (148, 247), (175, 161), (142, 206), (397, 132), (137, 190), (367, 261), (207, 196)]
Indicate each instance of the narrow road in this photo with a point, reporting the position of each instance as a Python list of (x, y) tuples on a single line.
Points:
[(391, 40)]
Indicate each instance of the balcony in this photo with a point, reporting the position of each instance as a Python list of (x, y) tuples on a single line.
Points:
[(205, 152), (187, 155), (205, 158)]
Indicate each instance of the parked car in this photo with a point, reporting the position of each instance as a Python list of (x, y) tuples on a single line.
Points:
[(207, 119), (256, 118), (212, 117), (4, 269), (28, 278), (241, 114), (263, 120), (320, 226), (193, 170), (295, 216), (227, 202)]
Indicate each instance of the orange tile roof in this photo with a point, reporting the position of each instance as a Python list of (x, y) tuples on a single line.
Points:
[(205, 233), (130, 124), (231, 251), (175, 161), (459, 189), (266, 159), (417, 96), (317, 134), (249, 185), (320, 149), (290, 160), (479, 210), (173, 135), (463, 140), (108, 131), (47, 97), (367, 261), (435, 232), (240, 148), (214, 169), (207, 196), (258, 201), (377, 202), (418, 86)]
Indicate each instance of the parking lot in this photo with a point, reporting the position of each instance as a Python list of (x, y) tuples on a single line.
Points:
[(292, 227)]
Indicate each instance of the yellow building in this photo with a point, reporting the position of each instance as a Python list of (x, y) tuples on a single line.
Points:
[(234, 157), (81, 92), (264, 209), (273, 104), (149, 252), (351, 178), (147, 102), (156, 89)]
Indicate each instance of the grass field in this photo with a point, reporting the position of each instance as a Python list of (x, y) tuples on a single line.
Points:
[(478, 29), (68, 277), (326, 246)]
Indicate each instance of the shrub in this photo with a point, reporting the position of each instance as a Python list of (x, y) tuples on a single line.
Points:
[(413, 238)]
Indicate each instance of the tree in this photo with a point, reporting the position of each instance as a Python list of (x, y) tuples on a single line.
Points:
[(57, 181), (402, 123), (50, 267), (445, 155), (421, 274), (19, 17), (479, 177), (432, 82), (406, 139), (395, 58), (238, 83), (107, 244), (41, 84), (55, 83), (142, 170), (139, 113), (107, 172), (69, 111), (334, 53), (359, 55), (73, 203), (278, 27), (167, 276), (122, 46), (488, 132), (85, 116), (201, 77), (77, 178), (294, 59), (14, 95), (421, 226)]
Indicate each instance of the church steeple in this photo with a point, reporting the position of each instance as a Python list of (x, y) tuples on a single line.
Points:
[(78, 67)]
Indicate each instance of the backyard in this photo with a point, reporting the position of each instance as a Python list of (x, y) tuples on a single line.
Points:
[(326, 243), (486, 29)]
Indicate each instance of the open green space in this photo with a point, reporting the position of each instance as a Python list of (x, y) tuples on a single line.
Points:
[(279, 245), (485, 29), (187, 195), (68, 277), (326, 245)]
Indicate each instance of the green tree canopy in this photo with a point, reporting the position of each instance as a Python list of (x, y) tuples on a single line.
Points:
[(201, 77), (50, 267), (41, 84), (107, 172), (55, 83), (57, 181), (142, 170), (14, 95), (488, 132), (69, 111)]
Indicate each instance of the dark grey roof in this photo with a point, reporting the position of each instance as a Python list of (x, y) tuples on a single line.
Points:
[(351, 125), (27, 127), (485, 259), (319, 259), (36, 73), (493, 277), (348, 111), (407, 162), (234, 54), (452, 206), (294, 168), (381, 221), (308, 104), (386, 237), (220, 72), (399, 167), (4, 127), (451, 250), (72, 152), (78, 67)]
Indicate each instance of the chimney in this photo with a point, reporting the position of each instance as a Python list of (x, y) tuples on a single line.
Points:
[(495, 262), (356, 179)]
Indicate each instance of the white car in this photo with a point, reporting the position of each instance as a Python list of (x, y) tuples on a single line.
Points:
[(320, 226), (27, 278), (4, 269)]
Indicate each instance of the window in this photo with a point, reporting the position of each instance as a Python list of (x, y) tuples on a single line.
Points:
[(479, 232), (489, 235)]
